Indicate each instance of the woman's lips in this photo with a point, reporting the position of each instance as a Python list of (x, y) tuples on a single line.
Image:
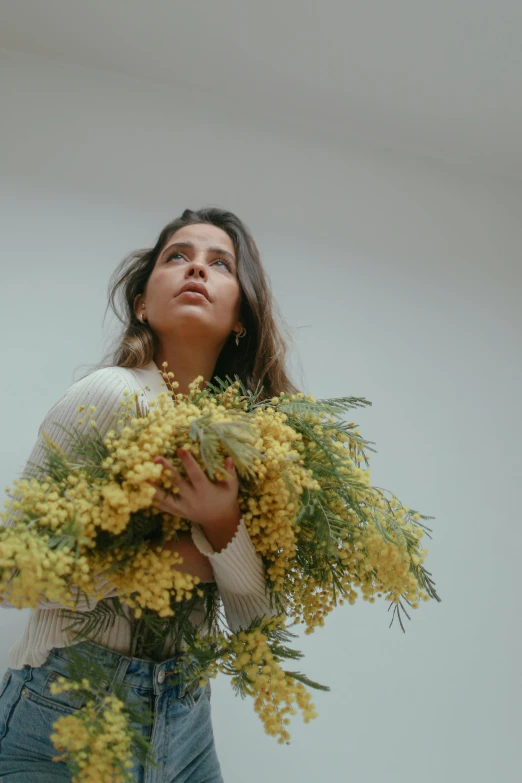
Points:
[(193, 293)]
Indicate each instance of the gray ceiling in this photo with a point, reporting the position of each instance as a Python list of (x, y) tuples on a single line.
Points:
[(441, 78)]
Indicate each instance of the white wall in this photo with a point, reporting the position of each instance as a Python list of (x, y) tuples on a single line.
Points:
[(401, 282)]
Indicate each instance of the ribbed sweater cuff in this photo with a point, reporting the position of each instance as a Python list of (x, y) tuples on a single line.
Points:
[(238, 568)]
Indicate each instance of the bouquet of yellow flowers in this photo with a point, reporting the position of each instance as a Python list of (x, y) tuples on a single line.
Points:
[(322, 530)]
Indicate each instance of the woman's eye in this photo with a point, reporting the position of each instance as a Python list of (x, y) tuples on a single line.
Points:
[(222, 261), (217, 261)]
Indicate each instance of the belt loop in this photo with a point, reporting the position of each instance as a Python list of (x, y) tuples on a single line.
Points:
[(177, 669), (120, 671), (183, 687), (183, 678)]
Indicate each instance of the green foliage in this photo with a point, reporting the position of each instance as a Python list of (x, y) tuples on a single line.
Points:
[(277, 639), (145, 530), (245, 400), (88, 447), (320, 530), (152, 637), (234, 438)]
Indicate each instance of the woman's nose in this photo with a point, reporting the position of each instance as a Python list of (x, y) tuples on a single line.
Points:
[(197, 269)]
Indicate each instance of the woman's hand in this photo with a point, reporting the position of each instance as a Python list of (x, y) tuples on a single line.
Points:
[(213, 505)]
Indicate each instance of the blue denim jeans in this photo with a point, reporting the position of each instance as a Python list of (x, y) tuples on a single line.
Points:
[(181, 731)]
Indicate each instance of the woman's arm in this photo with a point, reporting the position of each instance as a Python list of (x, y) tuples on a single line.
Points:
[(240, 577), (194, 561), (105, 389), (213, 509)]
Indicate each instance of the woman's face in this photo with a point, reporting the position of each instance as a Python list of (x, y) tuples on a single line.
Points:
[(199, 254)]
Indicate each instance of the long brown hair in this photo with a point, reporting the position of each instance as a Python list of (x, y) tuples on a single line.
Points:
[(259, 360)]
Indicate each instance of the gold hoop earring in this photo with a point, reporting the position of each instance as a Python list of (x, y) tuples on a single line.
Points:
[(240, 334)]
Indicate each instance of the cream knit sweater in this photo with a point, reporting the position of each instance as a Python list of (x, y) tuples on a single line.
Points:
[(238, 569)]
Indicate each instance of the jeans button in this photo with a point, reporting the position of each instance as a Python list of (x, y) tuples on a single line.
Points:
[(161, 675)]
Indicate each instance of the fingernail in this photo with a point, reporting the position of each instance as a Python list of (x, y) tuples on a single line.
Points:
[(182, 453)]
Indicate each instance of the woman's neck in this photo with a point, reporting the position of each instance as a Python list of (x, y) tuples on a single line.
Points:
[(187, 362)]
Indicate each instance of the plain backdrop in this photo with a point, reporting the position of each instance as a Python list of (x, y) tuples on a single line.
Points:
[(400, 281)]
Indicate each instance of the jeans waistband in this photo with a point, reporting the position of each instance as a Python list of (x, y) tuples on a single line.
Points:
[(133, 672)]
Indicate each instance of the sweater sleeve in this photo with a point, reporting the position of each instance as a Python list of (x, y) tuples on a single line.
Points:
[(240, 577), (103, 388)]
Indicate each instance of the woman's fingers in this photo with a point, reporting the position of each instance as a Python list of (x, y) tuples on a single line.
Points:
[(169, 468), (230, 467), (166, 501), (197, 498), (194, 472)]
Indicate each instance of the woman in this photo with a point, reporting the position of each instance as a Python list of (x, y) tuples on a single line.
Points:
[(200, 301)]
